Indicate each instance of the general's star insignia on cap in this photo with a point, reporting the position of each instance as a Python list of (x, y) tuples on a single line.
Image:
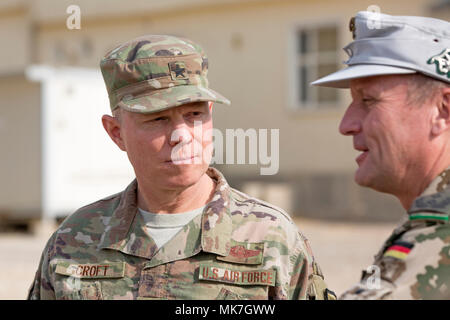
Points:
[(178, 70), (442, 61)]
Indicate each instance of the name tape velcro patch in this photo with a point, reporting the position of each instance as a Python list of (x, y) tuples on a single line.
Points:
[(236, 276), (91, 271)]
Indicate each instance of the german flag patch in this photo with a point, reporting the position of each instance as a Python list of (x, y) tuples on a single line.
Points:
[(399, 250)]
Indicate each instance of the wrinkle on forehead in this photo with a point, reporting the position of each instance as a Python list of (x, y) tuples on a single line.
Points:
[(179, 109), (416, 89), (379, 85)]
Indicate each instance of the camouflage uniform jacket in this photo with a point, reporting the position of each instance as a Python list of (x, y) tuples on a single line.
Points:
[(414, 262), (238, 248)]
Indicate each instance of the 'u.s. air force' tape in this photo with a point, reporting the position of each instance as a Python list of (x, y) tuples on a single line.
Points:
[(91, 271), (210, 272)]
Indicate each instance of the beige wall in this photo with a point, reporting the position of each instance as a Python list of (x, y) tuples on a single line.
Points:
[(20, 169), (15, 36)]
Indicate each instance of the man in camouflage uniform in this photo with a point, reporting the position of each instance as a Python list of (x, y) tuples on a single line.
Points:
[(231, 246), (399, 118)]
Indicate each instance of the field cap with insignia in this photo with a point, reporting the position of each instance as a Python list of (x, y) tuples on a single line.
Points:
[(385, 44), (156, 72)]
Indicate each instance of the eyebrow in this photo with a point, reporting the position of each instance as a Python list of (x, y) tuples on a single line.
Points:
[(195, 105), (166, 112), (361, 89), (147, 116), (356, 90)]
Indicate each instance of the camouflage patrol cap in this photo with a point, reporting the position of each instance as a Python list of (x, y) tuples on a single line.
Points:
[(156, 72)]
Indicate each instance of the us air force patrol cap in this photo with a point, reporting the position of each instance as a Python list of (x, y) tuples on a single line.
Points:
[(385, 44), (157, 72)]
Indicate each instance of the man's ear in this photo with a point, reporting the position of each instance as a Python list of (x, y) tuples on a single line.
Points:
[(441, 122), (112, 127)]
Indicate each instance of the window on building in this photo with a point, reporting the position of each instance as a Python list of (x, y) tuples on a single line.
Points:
[(316, 55)]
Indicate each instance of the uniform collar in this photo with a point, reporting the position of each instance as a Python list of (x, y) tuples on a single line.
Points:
[(216, 218), (436, 197), (126, 229)]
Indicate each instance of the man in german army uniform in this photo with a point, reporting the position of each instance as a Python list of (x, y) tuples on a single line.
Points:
[(178, 231), (399, 77)]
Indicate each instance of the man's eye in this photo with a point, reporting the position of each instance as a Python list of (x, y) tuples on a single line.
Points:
[(195, 114), (158, 119), (368, 101)]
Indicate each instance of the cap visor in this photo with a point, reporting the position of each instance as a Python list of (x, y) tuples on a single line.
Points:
[(171, 97), (341, 78)]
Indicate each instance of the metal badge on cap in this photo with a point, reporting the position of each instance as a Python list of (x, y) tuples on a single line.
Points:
[(442, 62), (352, 27)]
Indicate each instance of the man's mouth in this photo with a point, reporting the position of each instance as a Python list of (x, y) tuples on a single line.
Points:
[(183, 160), (360, 159)]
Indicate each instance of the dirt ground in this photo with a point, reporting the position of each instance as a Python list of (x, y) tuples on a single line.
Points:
[(343, 250)]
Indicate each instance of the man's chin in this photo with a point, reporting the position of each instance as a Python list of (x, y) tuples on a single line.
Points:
[(185, 169), (362, 178), (185, 175), (374, 182), (366, 173)]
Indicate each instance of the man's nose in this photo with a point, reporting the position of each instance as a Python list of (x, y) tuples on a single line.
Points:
[(180, 133), (351, 122)]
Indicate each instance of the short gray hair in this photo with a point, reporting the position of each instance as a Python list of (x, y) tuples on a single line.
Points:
[(117, 113), (421, 88)]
